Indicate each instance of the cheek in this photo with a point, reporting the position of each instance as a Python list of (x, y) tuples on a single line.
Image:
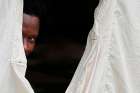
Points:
[(29, 47)]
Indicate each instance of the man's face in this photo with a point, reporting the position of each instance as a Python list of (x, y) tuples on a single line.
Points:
[(30, 32)]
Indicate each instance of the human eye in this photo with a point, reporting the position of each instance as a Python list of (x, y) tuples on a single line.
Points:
[(31, 39)]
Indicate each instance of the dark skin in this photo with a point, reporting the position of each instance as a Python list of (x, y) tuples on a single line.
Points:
[(30, 32)]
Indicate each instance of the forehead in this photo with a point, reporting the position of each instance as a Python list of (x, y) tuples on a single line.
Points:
[(30, 20), (30, 25)]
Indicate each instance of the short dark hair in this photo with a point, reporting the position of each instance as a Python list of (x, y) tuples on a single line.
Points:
[(34, 7)]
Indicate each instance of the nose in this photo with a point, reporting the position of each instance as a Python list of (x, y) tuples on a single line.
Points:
[(25, 45)]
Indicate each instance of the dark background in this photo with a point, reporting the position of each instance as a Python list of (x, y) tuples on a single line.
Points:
[(65, 25)]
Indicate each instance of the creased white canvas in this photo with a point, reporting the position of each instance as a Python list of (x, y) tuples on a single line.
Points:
[(111, 61), (12, 56)]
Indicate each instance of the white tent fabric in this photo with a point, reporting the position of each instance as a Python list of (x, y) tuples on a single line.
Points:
[(111, 62), (12, 56)]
